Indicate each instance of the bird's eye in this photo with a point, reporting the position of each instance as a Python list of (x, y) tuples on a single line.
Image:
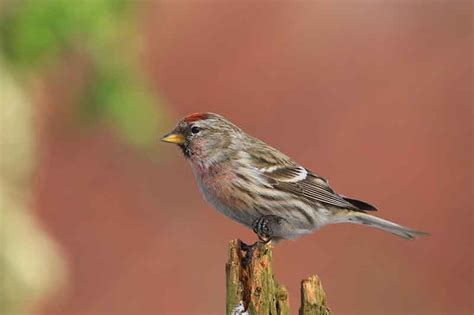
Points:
[(195, 129)]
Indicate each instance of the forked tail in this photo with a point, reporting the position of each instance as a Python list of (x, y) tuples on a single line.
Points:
[(370, 220)]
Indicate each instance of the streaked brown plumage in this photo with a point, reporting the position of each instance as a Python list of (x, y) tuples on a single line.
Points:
[(260, 187)]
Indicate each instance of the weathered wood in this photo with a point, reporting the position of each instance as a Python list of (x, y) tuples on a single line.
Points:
[(250, 279), (250, 283), (313, 297)]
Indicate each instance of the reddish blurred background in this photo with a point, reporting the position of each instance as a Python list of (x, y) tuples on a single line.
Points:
[(374, 96)]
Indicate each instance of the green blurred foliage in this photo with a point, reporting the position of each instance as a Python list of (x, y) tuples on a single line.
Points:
[(35, 34), (35, 37), (33, 30), (121, 100)]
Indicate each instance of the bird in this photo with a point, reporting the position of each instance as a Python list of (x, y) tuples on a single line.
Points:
[(263, 189)]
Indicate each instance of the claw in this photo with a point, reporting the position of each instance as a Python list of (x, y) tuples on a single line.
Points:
[(261, 227)]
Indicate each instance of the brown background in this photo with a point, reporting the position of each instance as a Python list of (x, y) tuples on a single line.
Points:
[(375, 96)]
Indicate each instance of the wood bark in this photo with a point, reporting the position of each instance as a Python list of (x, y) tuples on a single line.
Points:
[(252, 288)]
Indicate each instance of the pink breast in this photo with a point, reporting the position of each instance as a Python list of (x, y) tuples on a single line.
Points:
[(218, 182)]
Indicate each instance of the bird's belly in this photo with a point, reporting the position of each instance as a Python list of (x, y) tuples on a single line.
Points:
[(224, 205), (219, 192)]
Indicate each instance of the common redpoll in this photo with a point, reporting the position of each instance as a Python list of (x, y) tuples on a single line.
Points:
[(260, 187)]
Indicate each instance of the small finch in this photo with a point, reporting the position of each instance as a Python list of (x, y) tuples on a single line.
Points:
[(263, 189)]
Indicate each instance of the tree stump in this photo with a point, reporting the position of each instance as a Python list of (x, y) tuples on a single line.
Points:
[(313, 297), (252, 288)]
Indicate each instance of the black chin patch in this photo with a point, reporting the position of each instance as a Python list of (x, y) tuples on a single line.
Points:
[(186, 151)]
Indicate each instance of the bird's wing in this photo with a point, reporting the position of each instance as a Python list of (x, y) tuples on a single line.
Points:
[(299, 181), (284, 174)]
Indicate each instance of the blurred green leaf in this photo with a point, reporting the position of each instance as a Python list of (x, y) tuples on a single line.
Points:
[(36, 33), (32, 30), (121, 100)]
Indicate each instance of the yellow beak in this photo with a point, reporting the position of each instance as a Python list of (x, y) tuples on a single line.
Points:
[(173, 138)]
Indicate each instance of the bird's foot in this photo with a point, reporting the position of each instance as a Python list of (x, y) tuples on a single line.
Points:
[(262, 227)]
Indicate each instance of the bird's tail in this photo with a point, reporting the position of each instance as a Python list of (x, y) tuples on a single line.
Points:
[(385, 225)]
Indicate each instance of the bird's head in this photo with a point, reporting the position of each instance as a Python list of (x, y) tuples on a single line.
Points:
[(204, 137)]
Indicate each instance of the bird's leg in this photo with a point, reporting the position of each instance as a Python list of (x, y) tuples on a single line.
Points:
[(261, 228), (265, 226)]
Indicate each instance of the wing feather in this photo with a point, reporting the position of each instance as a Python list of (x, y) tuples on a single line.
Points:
[(299, 181), (311, 186), (284, 174)]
